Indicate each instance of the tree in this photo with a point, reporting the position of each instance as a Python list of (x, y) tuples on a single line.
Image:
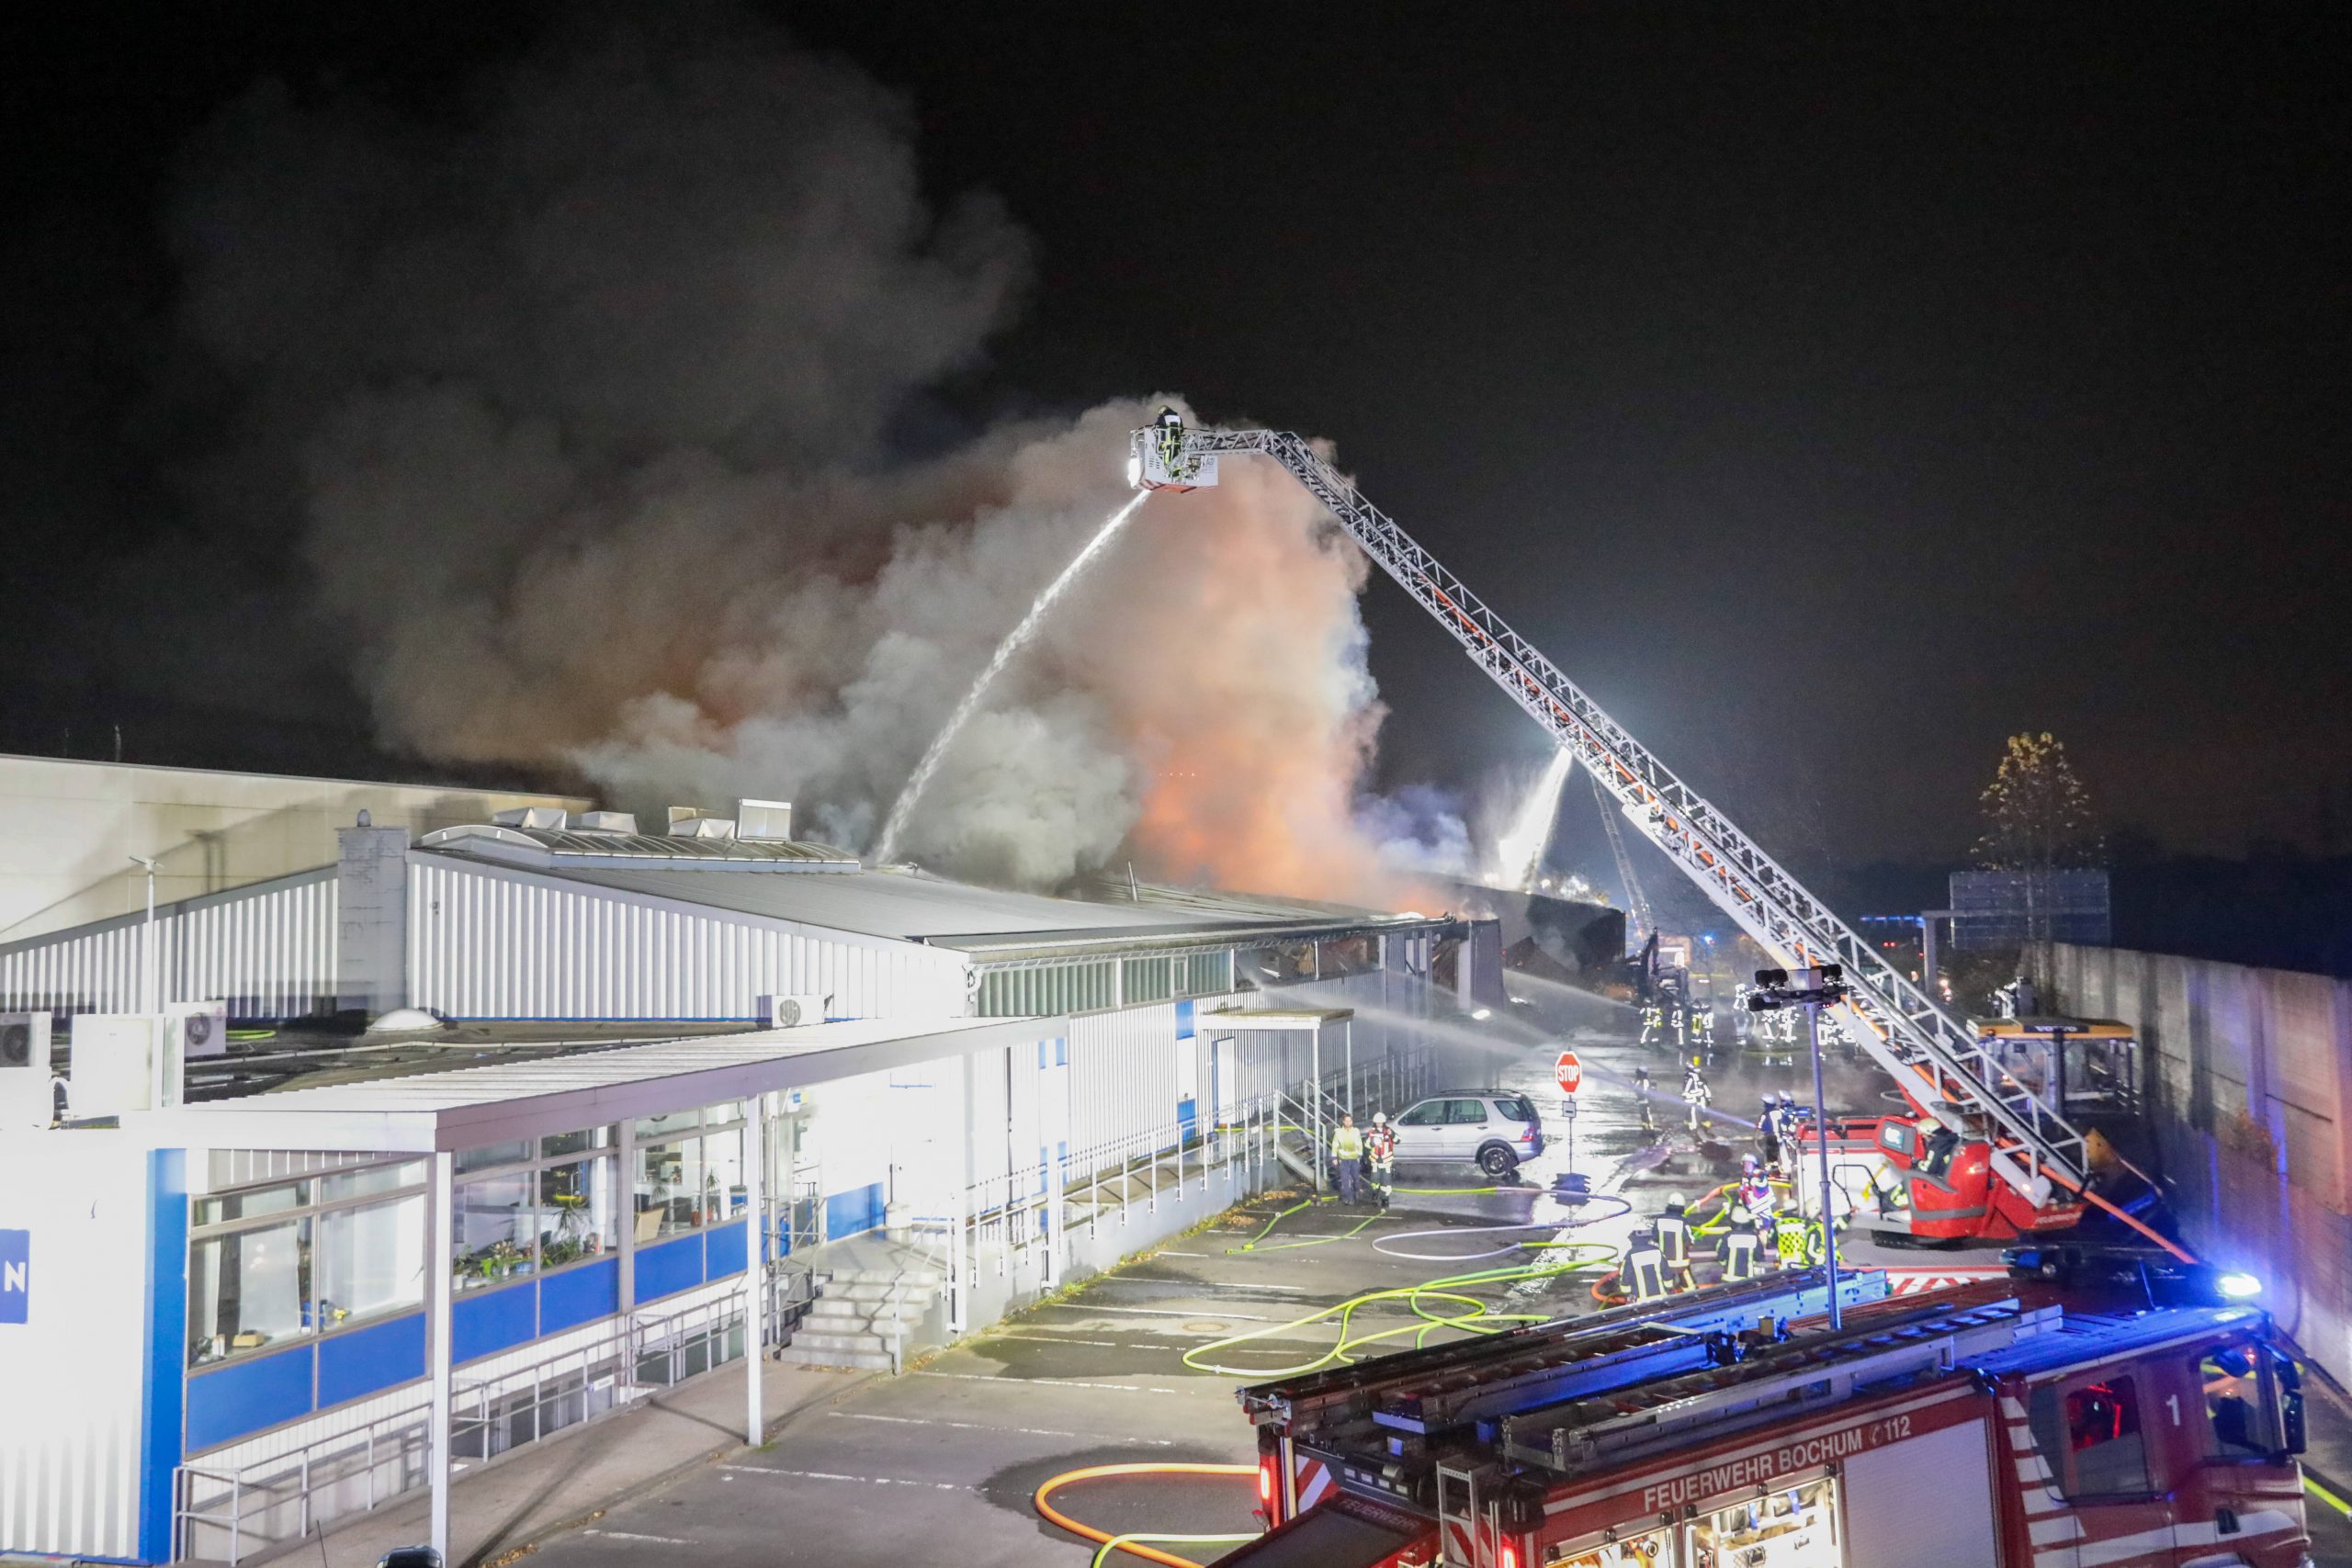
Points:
[(2037, 815)]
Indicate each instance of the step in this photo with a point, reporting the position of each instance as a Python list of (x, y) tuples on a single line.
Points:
[(816, 1340), (861, 1360), (890, 1292), (915, 1277), (826, 1315)]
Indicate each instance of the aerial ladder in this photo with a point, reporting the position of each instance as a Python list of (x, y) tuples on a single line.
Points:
[(1637, 904), (1935, 1058)]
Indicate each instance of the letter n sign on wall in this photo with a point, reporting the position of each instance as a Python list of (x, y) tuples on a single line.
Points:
[(16, 1274)]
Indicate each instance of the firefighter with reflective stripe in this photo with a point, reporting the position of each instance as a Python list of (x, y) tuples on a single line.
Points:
[(1674, 1242), (1695, 1092), (1755, 1189), (1642, 1093), (1739, 1248), (1347, 1153), (1768, 1132), (1379, 1154), (1642, 1275)]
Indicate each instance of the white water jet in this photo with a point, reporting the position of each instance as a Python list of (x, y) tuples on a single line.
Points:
[(1518, 853), (885, 847)]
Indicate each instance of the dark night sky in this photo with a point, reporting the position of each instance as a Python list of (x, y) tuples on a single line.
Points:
[(1832, 390)]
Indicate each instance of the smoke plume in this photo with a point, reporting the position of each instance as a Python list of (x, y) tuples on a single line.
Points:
[(582, 396)]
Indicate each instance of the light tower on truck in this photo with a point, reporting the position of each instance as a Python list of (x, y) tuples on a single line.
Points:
[(1935, 1057)]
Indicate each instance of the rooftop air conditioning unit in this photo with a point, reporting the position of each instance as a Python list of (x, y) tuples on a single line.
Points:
[(791, 1013), (769, 820), (198, 1028), (126, 1060), (539, 819), (25, 1099), (607, 822)]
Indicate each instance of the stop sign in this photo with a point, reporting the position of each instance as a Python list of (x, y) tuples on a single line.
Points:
[(1570, 1072)]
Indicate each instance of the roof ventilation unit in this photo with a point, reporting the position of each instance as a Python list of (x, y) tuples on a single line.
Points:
[(692, 822), (539, 819), (607, 822), (768, 820)]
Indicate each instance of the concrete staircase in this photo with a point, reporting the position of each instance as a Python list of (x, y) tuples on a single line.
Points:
[(851, 1323)]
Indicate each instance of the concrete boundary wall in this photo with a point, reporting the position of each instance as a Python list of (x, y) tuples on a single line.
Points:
[(2249, 1077)]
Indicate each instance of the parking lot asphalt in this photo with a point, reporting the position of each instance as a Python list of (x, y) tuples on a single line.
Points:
[(941, 1462)]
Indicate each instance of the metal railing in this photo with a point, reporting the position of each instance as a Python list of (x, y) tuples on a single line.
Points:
[(231, 1513)]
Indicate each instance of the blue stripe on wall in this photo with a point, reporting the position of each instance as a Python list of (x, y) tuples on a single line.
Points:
[(726, 1250), (851, 1212), (162, 1382), (1183, 1021), (671, 1267), (490, 1321), (243, 1397), (367, 1360), (580, 1295)]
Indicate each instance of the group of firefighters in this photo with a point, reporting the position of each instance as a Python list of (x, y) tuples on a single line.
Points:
[(1756, 1234), (1365, 1157)]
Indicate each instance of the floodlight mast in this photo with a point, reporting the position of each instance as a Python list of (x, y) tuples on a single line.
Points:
[(1934, 1055)]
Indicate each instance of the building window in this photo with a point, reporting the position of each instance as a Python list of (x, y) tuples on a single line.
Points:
[(526, 1210), (271, 1264), (682, 1182)]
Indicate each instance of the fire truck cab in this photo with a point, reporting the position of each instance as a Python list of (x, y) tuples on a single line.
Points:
[(2012, 1423)]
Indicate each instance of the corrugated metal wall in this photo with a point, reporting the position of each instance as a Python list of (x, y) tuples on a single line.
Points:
[(268, 951), (1122, 1073), (486, 942)]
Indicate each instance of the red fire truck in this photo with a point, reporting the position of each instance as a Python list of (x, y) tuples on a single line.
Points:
[(2016, 1423)]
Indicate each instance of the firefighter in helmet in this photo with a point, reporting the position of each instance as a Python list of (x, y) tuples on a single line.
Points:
[(1642, 1275), (1674, 1242), (1695, 1092), (1380, 1155)]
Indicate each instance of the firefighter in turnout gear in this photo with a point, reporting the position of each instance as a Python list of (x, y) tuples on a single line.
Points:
[(1380, 1153), (1739, 1249), (1695, 1092), (1642, 1093), (1768, 1132), (1642, 1276), (1346, 1154), (1674, 1242)]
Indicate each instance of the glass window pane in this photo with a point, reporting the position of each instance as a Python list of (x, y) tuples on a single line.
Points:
[(1465, 1113), (722, 1176), (667, 1187), (2234, 1424), (653, 1127), (725, 1110), (248, 1291), (376, 1179), (490, 1156), (251, 1204), (2107, 1454), (578, 1143), (576, 1218), (371, 1260), (492, 1228)]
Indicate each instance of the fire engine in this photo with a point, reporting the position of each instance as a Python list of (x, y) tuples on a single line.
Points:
[(2024, 1422), (2017, 1165)]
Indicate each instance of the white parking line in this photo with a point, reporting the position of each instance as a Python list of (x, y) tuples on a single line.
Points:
[(984, 1427), (1217, 1316), (624, 1535), (1057, 1383), (830, 1475)]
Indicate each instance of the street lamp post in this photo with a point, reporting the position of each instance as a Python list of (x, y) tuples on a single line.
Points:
[(147, 1002), (1811, 989)]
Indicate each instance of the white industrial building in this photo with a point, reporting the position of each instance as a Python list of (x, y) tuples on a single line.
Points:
[(228, 1304)]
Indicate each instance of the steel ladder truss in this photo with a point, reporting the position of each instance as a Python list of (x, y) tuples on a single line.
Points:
[(1822, 1369), (1932, 1054), (1637, 902)]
